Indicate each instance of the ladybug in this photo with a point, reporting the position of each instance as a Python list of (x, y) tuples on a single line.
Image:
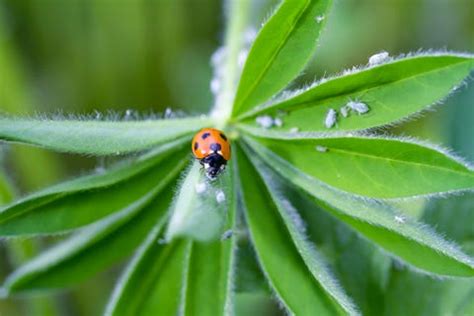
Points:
[(212, 148)]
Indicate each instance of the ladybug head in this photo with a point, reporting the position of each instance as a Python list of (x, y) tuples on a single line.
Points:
[(213, 164)]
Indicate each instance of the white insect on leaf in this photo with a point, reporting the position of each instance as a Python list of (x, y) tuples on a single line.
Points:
[(227, 234), (320, 18), (359, 107), (200, 187), (399, 219), (345, 111), (321, 149), (220, 196), (379, 58), (265, 121), (278, 122), (331, 118)]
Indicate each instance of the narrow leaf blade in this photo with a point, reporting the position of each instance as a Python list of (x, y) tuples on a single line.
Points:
[(278, 256), (212, 265), (97, 137), (391, 91), (375, 167), (68, 212), (315, 262), (93, 249), (383, 224), (282, 48), (158, 271)]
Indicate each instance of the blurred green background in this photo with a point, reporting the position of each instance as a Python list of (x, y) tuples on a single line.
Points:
[(83, 57)]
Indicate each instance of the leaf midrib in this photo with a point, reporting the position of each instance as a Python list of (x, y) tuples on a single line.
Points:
[(270, 60)]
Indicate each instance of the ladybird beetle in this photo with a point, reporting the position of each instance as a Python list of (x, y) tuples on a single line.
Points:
[(212, 148)]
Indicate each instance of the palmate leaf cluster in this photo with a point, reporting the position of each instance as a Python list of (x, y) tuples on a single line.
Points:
[(293, 204)]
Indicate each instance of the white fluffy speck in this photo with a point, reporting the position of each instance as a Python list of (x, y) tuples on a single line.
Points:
[(265, 121), (345, 111), (359, 107), (215, 85), (320, 18), (278, 122), (330, 119), (294, 130), (378, 58), (200, 187), (220, 196), (321, 149), (227, 234), (400, 219)]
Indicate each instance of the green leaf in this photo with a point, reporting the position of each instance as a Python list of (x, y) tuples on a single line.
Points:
[(212, 265), (97, 137), (118, 173), (315, 262), (454, 217), (66, 212), (282, 48), (6, 192), (152, 282), (375, 167), (278, 256), (362, 268), (392, 91), (382, 223), (96, 247), (198, 212)]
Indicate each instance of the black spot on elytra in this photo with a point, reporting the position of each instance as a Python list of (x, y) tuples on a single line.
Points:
[(223, 136), (196, 145), (215, 147), (205, 135)]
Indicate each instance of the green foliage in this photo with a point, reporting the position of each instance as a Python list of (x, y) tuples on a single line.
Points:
[(282, 48), (288, 214)]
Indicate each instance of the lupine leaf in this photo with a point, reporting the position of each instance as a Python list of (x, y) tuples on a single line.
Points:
[(454, 217), (97, 137), (379, 222), (116, 174), (96, 247), (197, 212), (212, 264), (315, 262), (278, 256), (6, 193), (281, 50), (152, 282), (84, 207), (375, 167), (392, 91)]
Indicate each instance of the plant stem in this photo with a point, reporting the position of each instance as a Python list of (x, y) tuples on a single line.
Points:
[(237, 13)]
